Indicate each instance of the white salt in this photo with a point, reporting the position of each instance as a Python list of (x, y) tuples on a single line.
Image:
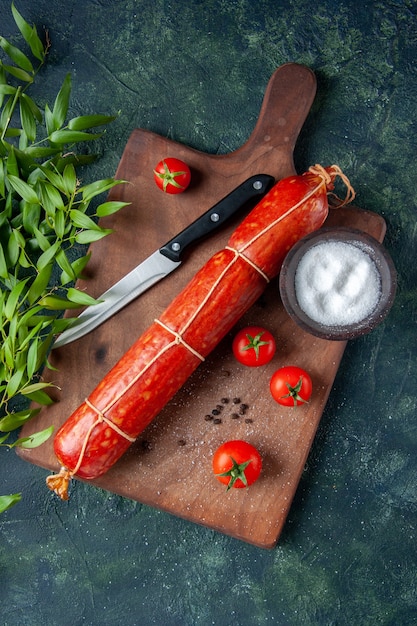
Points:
[(337, 283)]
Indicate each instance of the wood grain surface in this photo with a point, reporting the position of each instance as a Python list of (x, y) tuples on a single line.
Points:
[(169, 467)]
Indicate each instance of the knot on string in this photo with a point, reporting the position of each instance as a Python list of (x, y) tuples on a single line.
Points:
[(180, 340), (251, 263), (328, 176), (102, 418), (59, 483)]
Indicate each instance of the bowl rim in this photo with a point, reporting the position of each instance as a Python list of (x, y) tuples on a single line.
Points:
[(368, 244)]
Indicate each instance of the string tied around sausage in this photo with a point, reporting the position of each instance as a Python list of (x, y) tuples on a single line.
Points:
[(240, 255), (179, 339), (328, 175), (102, 418), (59, 482)]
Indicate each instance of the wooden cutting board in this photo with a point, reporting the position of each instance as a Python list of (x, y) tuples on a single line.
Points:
[(169, 467)]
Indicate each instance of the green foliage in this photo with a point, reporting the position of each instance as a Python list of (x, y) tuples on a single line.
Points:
[(7, 501), (44, 213)]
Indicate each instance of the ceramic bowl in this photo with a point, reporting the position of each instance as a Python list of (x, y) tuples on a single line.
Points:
[(383, 264)]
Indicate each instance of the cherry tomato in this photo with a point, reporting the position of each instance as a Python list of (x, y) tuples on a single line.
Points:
[(172, 175), (237, 464), (291, 386), (253, 346)]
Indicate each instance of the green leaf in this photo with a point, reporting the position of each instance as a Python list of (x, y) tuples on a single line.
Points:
[(8, 352), (31, 214), (45, 347), (89, 121), (40, 397), (49, 120), (2, 82), (13, 132), (7, 89), (19, 73), (27, 119), (99, 186), (11, 163), (82, 220), (12, 301), (13, 249), (61, 104), (15, 420), (56, 303), (38, 152), (16, 55), (25, 336), (5, 118), (77, 268), (8, 501), (19, 238), (34, 387), (60, 224), (32, 358), (29, 34), (23, 140), (63, 137), (40, 283), (50, 197), (12, 387), (108, 208), (13, 330), (4, 272), (32, 107), (61, 324), (48, 256), (89, 236), (6, 114), (80, 264), (69, 178), (2, 182), (36, 439), (65, 265), (4, 438), (43, 242), (56, 179), (24, 190), (29, 315), (80, 297)]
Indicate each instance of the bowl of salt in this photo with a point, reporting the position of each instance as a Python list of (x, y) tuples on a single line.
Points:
[(338, 283)]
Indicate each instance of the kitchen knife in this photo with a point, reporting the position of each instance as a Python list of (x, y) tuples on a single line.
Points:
[(164, 260)]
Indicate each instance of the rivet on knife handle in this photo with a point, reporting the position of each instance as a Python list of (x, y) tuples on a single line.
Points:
[(218, 214)]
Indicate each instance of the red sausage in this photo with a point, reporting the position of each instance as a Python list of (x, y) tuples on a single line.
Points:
[(147, 376)]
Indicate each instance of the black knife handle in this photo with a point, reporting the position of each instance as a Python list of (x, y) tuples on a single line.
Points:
[(211, 220)]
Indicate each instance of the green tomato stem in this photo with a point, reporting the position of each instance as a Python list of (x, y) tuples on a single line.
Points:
[(236, 472)]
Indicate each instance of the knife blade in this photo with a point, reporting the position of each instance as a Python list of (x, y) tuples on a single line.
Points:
[(164, 260)]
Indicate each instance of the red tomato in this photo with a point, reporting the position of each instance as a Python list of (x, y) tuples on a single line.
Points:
[(253, 346), (172, 175), (237, 464), (291, 386)]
